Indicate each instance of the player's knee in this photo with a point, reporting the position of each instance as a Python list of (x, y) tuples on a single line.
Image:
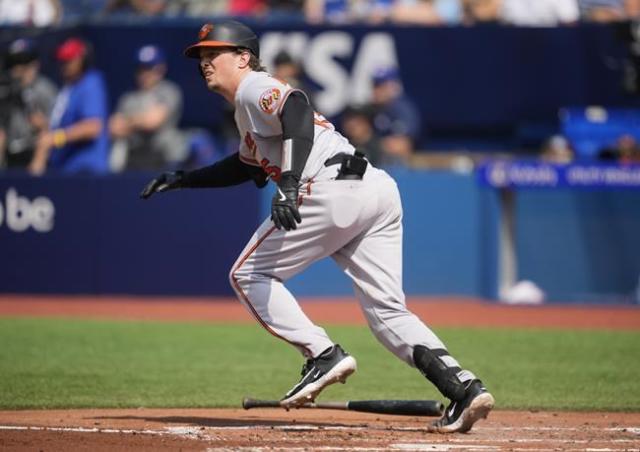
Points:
[(235, 276), (240, 275)]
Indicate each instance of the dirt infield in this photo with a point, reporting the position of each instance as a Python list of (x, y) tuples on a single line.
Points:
[(273, 429), (435, 312), (214, 430)]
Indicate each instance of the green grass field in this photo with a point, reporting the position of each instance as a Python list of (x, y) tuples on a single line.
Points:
[(56, 363)]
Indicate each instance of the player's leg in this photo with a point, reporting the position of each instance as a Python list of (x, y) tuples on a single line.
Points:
[(271, 257), (257, 279), (374, 262)]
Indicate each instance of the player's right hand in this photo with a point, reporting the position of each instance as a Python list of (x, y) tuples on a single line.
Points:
[(284, 206), (164, 182)]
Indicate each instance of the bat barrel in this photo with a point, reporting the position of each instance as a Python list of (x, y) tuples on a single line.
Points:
[(399, 407)]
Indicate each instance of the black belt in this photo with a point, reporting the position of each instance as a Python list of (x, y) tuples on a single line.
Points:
[(352, 167)]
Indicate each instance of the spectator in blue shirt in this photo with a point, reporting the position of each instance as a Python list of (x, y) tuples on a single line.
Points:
[(77, 141), (396, 119)]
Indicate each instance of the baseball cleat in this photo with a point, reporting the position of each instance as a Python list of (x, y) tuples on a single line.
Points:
[(462, 414), (331, 366)]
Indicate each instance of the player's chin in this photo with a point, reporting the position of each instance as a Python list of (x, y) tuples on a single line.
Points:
[(211, 84)]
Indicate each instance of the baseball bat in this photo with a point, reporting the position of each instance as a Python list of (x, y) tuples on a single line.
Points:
[(397, 407)]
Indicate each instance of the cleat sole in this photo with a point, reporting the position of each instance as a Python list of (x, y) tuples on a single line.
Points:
[(478, 409), (340, 372)]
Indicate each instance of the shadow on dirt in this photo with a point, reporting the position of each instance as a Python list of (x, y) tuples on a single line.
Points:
[(225, 422)]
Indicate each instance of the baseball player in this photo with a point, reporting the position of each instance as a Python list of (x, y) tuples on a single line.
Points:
[(329, 202)]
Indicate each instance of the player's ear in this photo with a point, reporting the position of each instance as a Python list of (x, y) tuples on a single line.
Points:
[(244, 59)]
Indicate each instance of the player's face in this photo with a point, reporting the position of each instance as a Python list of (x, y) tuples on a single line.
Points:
[(219, 67)]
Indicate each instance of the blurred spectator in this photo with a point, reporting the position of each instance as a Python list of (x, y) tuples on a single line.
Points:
[(145, 124), (78, 11), (608, 10), (329, 11), (77, 141), (357, 126), (284, 10), (140, 7), (632, 9), (450, 11), (481, 11), (625, 150), (287, 69), (198, 8), (427, 12), (396, 118), (539, 13), (39, 13), (246, 7), (345, 11), (373, 11), (202, 150), (28, 103), (420, 12), (557, 151), (628, 149)]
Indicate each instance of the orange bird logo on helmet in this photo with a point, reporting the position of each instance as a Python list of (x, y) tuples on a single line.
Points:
[(204, 31)]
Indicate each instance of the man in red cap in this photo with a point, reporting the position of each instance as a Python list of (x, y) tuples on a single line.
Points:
[(77, 140)]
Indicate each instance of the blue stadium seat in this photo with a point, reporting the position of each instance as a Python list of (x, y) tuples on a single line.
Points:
[(589, 129)]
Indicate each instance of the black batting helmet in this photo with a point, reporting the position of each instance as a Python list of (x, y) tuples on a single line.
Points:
[(228, 33)]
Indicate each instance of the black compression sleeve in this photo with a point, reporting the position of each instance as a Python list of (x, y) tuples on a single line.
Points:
[(226, 172), (297, 126)]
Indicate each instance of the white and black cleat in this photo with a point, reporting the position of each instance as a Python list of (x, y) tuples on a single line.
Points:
[(460, 415), (331, 366)]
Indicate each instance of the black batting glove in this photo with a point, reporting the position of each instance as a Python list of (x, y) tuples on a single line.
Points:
[(284, 206), (164, 182)]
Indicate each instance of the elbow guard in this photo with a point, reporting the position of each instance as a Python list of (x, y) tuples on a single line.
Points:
[(297, 134)]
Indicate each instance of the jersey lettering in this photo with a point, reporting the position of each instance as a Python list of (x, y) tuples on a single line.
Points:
[(251, 144), (272, 170)]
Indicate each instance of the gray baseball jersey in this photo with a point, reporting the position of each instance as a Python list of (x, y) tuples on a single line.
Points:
[(356, 222), (259, 102)]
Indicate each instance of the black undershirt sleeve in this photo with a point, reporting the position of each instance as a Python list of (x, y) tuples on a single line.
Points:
[(297, 125), (226, 172)]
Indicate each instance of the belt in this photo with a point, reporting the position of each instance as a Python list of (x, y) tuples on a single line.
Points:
[(352, 167)]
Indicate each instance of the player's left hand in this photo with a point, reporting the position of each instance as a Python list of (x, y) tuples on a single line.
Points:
[(284, 206), (165, 181)]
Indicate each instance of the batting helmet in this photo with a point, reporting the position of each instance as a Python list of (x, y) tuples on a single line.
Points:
[(228, 33)]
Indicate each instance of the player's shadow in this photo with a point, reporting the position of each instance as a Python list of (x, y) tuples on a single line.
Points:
[(223, 422)]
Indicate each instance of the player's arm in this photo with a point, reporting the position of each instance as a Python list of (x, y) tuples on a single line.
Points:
[(226, 172), (297, 136)]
